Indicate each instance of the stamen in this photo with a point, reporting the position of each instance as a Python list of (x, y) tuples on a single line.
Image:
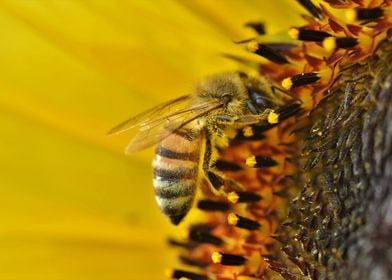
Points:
[(187, 245), (266, 52), (182, 274), (223, 165), (202, 236), (227, 259), (308, 5), (212, 205), (289, 111), (300, 80), (364, 14), (332, 43), (260, 162), (259, 27), (308, 35), (242, 222), (243, 197)]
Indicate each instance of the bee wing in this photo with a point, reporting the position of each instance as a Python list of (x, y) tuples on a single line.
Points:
[(156, 130), (156, 124), (151, 115)]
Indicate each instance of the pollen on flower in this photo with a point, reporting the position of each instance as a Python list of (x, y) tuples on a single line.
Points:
[(273, 117), (329, 43), (233, 197), (253, 46), (248, 131), (216, 257), (232, 219), (251, 161), (287, 83)]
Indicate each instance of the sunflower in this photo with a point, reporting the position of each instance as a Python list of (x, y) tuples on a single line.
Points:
[(76, 208)]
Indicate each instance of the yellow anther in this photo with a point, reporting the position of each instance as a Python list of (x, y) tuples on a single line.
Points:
[(351, 15), (251, 161), (287, 83), (329, 43), (232, 219), (253, 46), (293, 33), (233, 197), (216, 257), (247, 131), (273, 117)]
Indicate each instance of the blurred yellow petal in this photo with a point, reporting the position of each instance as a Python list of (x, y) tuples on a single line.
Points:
[(73, 206)]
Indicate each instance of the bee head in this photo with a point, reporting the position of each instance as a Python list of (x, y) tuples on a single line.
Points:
[(227, 89)]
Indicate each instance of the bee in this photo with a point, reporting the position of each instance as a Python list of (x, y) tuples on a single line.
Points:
[(190, 130)]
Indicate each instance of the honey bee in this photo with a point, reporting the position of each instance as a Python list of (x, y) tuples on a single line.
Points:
[(191, 129)]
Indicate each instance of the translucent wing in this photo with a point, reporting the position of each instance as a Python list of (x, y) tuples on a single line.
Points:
[(158, 123), (152, 115)]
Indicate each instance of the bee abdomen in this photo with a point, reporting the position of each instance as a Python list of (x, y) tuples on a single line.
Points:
[(174, 191), (175, 173), (176, 209), (175, 197), (171, 190)]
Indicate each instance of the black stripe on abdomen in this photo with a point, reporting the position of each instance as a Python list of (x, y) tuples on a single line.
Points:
[(175, 174), (187, 134), (163, 152), (171, 189)]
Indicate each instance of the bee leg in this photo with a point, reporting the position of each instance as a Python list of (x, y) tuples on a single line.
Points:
[(217, 181), (247, 120)]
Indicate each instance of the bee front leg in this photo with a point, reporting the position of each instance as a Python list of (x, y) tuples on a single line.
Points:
[(254, 119), (217, 181)]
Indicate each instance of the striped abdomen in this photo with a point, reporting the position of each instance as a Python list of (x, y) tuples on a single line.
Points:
[(175, 173)]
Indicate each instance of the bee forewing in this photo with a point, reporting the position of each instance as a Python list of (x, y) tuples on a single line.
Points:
[(156, 130), (151, 115), (145, 139)]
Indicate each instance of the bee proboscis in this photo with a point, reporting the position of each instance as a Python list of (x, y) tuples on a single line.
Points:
[(190, 129)]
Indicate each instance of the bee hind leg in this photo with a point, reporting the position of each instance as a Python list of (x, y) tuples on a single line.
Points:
[(216, 180), (220, 183)]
